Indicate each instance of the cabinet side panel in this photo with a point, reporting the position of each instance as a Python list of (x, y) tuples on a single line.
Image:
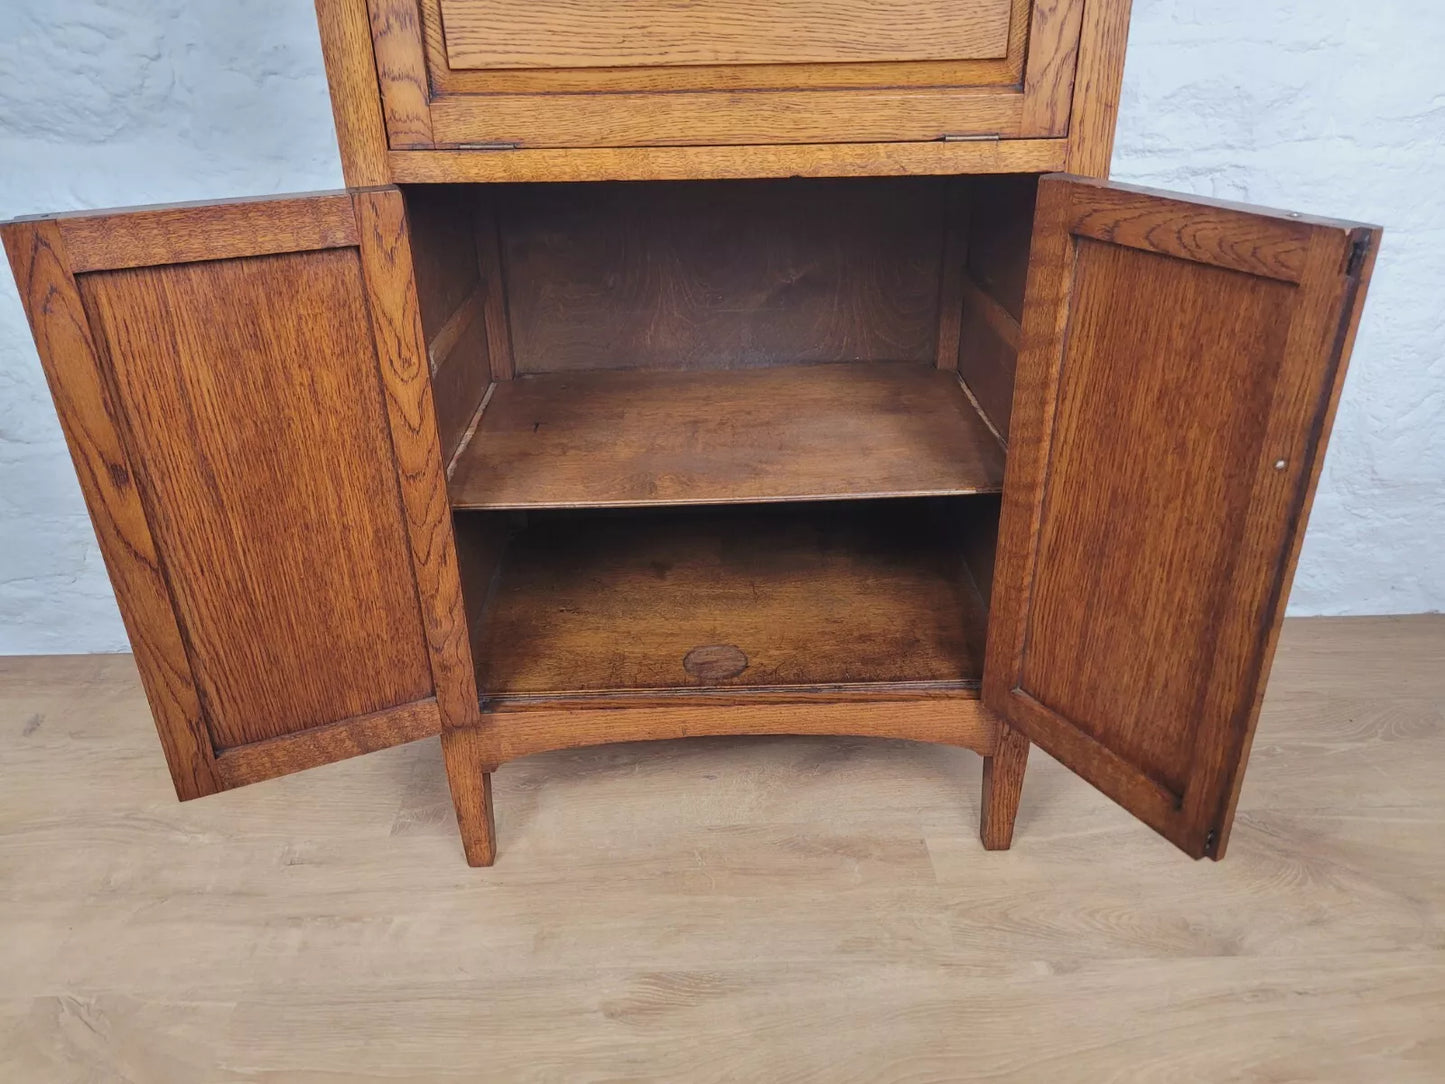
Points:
[(260, 439)]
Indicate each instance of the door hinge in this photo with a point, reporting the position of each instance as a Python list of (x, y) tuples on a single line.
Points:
[(1358, 251), (497, 146), (949, 137), (1210, 841)]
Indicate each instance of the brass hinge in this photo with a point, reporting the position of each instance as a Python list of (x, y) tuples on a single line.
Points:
[(992, 137), (498, 146)]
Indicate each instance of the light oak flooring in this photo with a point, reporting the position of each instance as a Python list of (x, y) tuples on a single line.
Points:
[(780, 909)]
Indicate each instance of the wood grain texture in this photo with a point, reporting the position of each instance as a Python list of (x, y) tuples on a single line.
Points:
[(727, 274), (654, 902), (843, 594), (186, 232), (800, 433), (572, 34), (952, 720), (275, 556), (1094, 110), (687, 118), (1003, 784), (1182, 504), (997, 72), (1251, 240), (1049, 78), (862, 159), (401, 72), (86, 407), (324, 744), (355, 100), (386, 262)]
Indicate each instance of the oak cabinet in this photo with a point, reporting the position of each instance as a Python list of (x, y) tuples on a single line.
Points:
[(913, 443)]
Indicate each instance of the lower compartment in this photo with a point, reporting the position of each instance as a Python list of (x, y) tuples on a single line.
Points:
[(861, 597)]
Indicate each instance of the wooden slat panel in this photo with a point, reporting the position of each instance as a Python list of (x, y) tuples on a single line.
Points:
[(87, 411), (1150, 520), (634, 439), (696, 163), (325, 744), (386, 262), (258, 434), (571, 33), (187, 232), (758, 117)]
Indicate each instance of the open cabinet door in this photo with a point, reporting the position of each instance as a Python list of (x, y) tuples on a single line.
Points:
[(1180, 364), (244, 390)]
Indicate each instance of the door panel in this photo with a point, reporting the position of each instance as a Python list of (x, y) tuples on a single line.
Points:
[(566, 34), (1178, 375), (257, 452), (459, 73)]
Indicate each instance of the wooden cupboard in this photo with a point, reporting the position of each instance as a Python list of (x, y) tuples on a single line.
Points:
[(720, 368)]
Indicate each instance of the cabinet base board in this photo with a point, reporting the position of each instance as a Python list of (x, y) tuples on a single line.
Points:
[(955, 720)]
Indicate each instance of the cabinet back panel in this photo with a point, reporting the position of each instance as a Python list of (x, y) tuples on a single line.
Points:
[(236, 456), (1174, 426), (722, 275)]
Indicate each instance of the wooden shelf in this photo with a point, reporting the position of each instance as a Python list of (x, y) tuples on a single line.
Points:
[(868, 595), (821, 432)]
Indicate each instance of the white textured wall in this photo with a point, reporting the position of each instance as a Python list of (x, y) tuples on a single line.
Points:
[(1332, 107)]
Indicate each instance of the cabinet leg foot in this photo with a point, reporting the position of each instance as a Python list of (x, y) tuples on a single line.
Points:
[(471, 788), (1003, 782)]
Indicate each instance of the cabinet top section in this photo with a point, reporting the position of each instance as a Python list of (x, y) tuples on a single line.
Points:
[(538, 90)]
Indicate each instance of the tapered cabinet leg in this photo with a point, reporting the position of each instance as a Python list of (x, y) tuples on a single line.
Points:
[(1003, 782), (471, 786)]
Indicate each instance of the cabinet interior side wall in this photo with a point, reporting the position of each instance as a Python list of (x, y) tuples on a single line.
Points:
[(448, 226), (999, 219)]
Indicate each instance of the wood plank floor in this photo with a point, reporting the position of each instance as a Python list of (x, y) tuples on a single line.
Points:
[(776, 909)]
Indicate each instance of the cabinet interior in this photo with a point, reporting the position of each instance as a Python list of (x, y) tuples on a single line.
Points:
[(724, 437)]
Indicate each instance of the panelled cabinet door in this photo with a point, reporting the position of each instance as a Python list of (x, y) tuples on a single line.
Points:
[(244, 390), (651, 73), (1179, 369)]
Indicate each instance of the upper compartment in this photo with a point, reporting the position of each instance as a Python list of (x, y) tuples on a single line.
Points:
[(870, 86)]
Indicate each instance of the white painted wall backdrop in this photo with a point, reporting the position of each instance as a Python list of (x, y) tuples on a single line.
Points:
[(1327, 106)]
